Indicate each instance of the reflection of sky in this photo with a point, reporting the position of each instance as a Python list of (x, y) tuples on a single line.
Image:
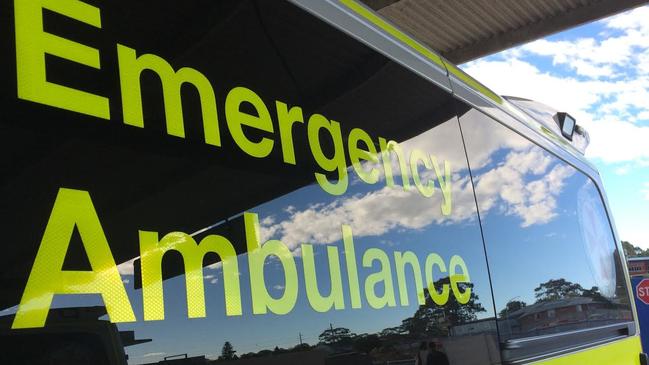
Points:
[(533, 236), (253, 333), (525, 252), (523, 258), (415, 224), (527, 245)]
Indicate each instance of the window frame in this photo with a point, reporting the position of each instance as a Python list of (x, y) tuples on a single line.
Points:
[(526, 349), (503, 113)]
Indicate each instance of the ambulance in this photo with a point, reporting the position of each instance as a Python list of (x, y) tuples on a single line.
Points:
[(288, 182)]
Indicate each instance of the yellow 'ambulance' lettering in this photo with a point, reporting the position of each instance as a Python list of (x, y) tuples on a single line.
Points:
[(151, 253), (72, 208), (257, 256), (400, 261), (431, 261), (335, 298), (384, 275)]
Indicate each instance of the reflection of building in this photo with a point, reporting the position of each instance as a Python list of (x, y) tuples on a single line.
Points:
[(638, 266), (487, 325), (560, 315)]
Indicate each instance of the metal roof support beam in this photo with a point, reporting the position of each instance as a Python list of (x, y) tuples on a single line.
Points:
[(517, 22), (562, 21)]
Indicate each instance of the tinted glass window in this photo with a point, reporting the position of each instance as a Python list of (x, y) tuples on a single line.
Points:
[(553, 259), (238, 208)]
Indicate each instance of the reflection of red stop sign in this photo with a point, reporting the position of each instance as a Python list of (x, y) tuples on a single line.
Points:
[(642, 291)]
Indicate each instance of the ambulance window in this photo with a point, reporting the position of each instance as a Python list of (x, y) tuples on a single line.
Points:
[(249, 215), (554, 264)]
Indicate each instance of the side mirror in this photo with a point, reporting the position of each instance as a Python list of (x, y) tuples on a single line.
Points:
[(567, 124)]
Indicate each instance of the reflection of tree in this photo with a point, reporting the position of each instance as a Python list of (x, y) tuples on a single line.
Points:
[(228, 352), (395, 343), (511, 307), (277, 351), (556, 289), (595, 294), (336, 336), (366, 343), (392, 332), (433, 320)]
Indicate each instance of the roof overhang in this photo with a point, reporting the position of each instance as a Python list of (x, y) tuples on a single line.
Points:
[(464, 30)]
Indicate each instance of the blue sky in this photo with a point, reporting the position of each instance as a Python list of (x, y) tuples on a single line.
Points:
[(599, 73)]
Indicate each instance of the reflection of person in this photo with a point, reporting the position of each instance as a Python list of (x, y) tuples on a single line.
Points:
[(422, 354), (435, 355)]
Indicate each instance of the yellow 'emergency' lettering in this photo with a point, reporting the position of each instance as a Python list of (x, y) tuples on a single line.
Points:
[(130, 68), (32, 44), (237, 119), (337, 162)]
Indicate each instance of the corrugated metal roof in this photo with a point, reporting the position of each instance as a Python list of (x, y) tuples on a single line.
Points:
[(462, 30)]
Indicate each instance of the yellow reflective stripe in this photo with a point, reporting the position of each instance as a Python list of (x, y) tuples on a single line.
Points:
[(473, 83), (392, 30), (624, 352), (420, 48)]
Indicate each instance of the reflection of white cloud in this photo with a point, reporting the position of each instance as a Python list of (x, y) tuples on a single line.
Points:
[(387, 208), (126, 268), (214, 266), (443, 142), (151, 354), (593, 225), (524, 185), (371, 214), (646, 191), (212, 278), (485, 139), (267, 221)]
